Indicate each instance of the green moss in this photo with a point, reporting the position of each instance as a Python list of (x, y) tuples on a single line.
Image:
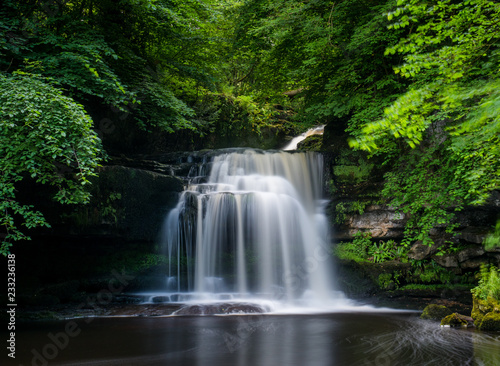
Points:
[(385, 281), (435, 287), (435, 312), (482, 307), (312, 143), (490, 322), (454, 320)]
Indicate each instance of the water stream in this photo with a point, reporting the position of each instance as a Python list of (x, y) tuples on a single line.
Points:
[(292, 145)]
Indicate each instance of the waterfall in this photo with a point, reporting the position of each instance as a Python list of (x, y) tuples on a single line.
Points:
[(292, 145), (256, 228)]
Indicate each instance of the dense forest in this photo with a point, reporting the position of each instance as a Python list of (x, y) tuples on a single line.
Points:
[(414, 84)]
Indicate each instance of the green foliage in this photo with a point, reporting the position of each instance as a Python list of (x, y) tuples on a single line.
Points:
[(386, 251), (233, 117), (385, 281), (148, 59), (356, 250), (44, 136), (343, 209), (434, 287), (433, 273), (333, 52), (448, 117), (489, 283), (353, 174), (493, 240), (362, 249)]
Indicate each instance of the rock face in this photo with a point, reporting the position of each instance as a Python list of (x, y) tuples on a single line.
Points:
[(379, 221), (384, 223), (421, 251), (142, 199)]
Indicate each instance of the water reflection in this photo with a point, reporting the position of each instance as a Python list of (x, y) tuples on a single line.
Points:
[(312, 340)]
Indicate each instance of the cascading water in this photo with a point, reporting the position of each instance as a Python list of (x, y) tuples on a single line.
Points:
[(255, 229)]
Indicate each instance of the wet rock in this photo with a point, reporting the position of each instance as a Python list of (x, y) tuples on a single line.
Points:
[(144, 310), (455, 320), (490, 322), (144, 199), (221, 308), (482, 307), (435, 312)]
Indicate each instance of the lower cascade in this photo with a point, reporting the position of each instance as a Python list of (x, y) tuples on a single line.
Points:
[(255, 229)]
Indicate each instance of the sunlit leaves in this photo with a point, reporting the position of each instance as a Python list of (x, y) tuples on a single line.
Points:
[(48, 137), (451, 109)]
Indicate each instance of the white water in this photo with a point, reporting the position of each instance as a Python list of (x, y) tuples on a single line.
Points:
[(256, 230), (292, 145)]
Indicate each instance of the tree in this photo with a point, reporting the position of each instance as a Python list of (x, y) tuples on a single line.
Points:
[(44, 136), (449, 116), (63, 62)]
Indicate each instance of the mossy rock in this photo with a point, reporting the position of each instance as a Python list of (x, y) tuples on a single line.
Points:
[(435, 312), (454, 320), (482, 307), (312, 143), (490, 322)]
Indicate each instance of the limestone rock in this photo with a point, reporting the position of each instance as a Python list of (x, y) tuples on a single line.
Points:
[(469, 253), (490, 322), (420, 251), (454, 320), (448, 261), (435, 312), (482, 307), (473, 263)]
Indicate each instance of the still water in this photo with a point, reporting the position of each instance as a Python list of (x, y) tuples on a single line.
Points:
[(365, 339)]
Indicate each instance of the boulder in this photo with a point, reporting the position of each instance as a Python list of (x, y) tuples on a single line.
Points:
[(435, 312), (455, 320), (482, 307), (490, 322)]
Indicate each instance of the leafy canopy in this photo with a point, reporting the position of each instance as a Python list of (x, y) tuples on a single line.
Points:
[(48, 137), (449, 116)]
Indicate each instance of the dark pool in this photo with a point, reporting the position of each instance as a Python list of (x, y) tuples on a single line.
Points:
[(279, 340)]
